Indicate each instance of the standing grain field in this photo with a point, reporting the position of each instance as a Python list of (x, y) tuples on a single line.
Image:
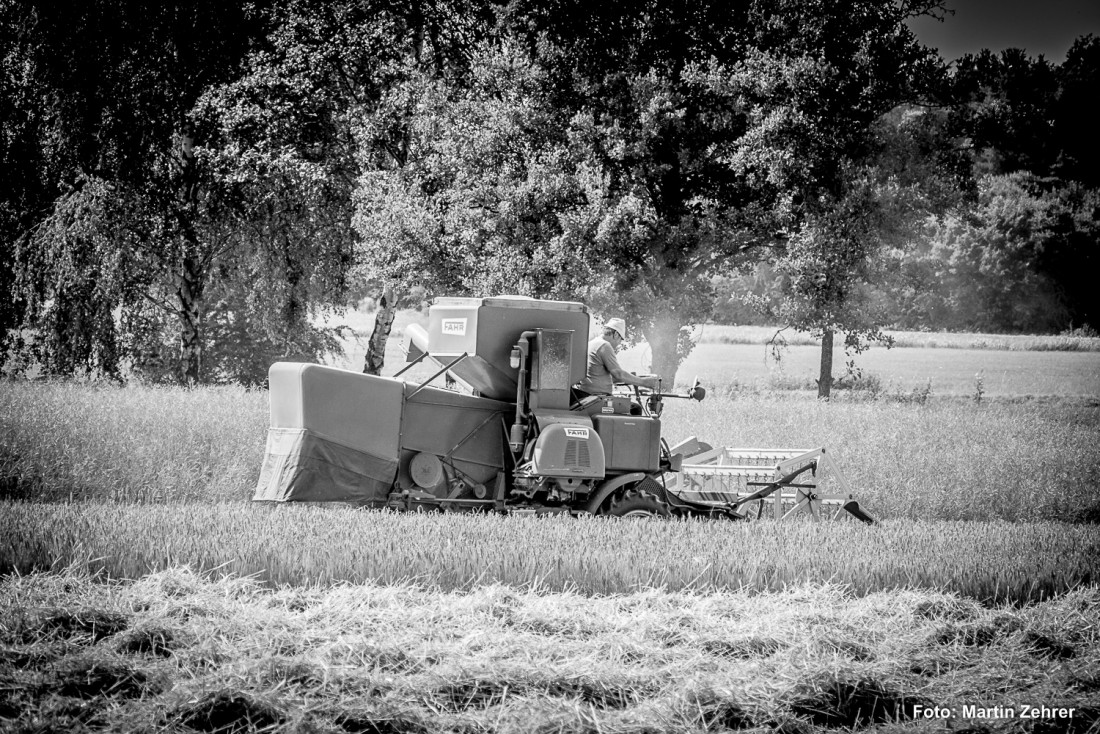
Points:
[(940, 460)]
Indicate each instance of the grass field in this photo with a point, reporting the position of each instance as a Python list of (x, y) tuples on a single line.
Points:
[(945, 371), (331, 619), (722, 334)]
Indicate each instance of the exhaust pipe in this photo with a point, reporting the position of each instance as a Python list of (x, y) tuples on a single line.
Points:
[(519, 360)]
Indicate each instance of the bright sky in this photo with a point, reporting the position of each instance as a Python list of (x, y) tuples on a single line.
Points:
[(1046, 27)]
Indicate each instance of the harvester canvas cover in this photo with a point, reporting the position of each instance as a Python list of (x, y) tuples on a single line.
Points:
[(338, 435)]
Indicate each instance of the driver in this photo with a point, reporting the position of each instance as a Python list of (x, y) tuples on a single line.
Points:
[(603, 369)]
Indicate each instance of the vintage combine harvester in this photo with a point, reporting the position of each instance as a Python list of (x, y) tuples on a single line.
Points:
[(514, 440)]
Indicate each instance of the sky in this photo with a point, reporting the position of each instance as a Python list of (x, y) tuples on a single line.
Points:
[(1046, 27)]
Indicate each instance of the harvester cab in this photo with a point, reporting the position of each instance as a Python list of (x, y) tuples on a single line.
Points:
[(512, 439)]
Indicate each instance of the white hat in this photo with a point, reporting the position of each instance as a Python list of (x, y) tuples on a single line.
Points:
[(618, 325)]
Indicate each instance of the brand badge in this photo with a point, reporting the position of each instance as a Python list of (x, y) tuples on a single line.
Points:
[(453, 327), (577, 433)]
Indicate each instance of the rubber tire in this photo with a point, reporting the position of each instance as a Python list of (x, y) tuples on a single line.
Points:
[(638, 506)]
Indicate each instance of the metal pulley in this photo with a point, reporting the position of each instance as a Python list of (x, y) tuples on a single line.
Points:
[(426, 470)]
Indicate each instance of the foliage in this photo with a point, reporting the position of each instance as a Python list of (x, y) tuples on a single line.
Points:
[(657, 117), (77, 268), (1078, 159), (242, 338), (123, 187), (641, 157), (1004, 105), (476, 204), (838, 151), (1019, 261)]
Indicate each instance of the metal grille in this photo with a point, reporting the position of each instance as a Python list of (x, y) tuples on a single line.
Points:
[(576, 454)]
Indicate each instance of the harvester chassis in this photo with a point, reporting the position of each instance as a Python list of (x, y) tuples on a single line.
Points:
[(510, 435)]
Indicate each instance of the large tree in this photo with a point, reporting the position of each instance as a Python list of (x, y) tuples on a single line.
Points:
[(726, 134), (485, 198), (1074, 118), (208, 154), (650, 146), (655, 130), (105, 89), (1004, 105), (582, 161)]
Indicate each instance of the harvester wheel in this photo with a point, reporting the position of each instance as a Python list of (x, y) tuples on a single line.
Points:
[(633, 503)]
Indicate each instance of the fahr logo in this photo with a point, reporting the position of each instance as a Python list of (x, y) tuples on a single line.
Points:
[(453, 327), (576, 433)]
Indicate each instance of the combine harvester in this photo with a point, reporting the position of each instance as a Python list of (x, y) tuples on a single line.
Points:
[(514, 440)]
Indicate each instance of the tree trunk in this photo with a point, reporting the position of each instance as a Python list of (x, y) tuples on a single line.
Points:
[(189, 278), (375, 358), (189, 294), (664, 359), (825, 375)]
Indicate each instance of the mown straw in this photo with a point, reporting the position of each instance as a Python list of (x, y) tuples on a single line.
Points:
[(506, 660)]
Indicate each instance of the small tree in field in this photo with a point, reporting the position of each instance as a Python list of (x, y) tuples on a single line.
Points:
[(826, 265), (830, 136)]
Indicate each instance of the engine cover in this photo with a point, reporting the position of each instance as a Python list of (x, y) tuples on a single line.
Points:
[(632, 442), (565, 450)]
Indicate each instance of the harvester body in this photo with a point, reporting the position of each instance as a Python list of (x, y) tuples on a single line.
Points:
[(513, 440)]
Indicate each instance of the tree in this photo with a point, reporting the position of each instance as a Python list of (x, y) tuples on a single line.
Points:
[(670, 141), (438, 41), (24, 189), (1004, 104), (222, 208), (282, 147), (655, 130), (478, 201), (537, 179), (112, 85), (825, 86), (1079, 155), (1020, 261), (843, 265)]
